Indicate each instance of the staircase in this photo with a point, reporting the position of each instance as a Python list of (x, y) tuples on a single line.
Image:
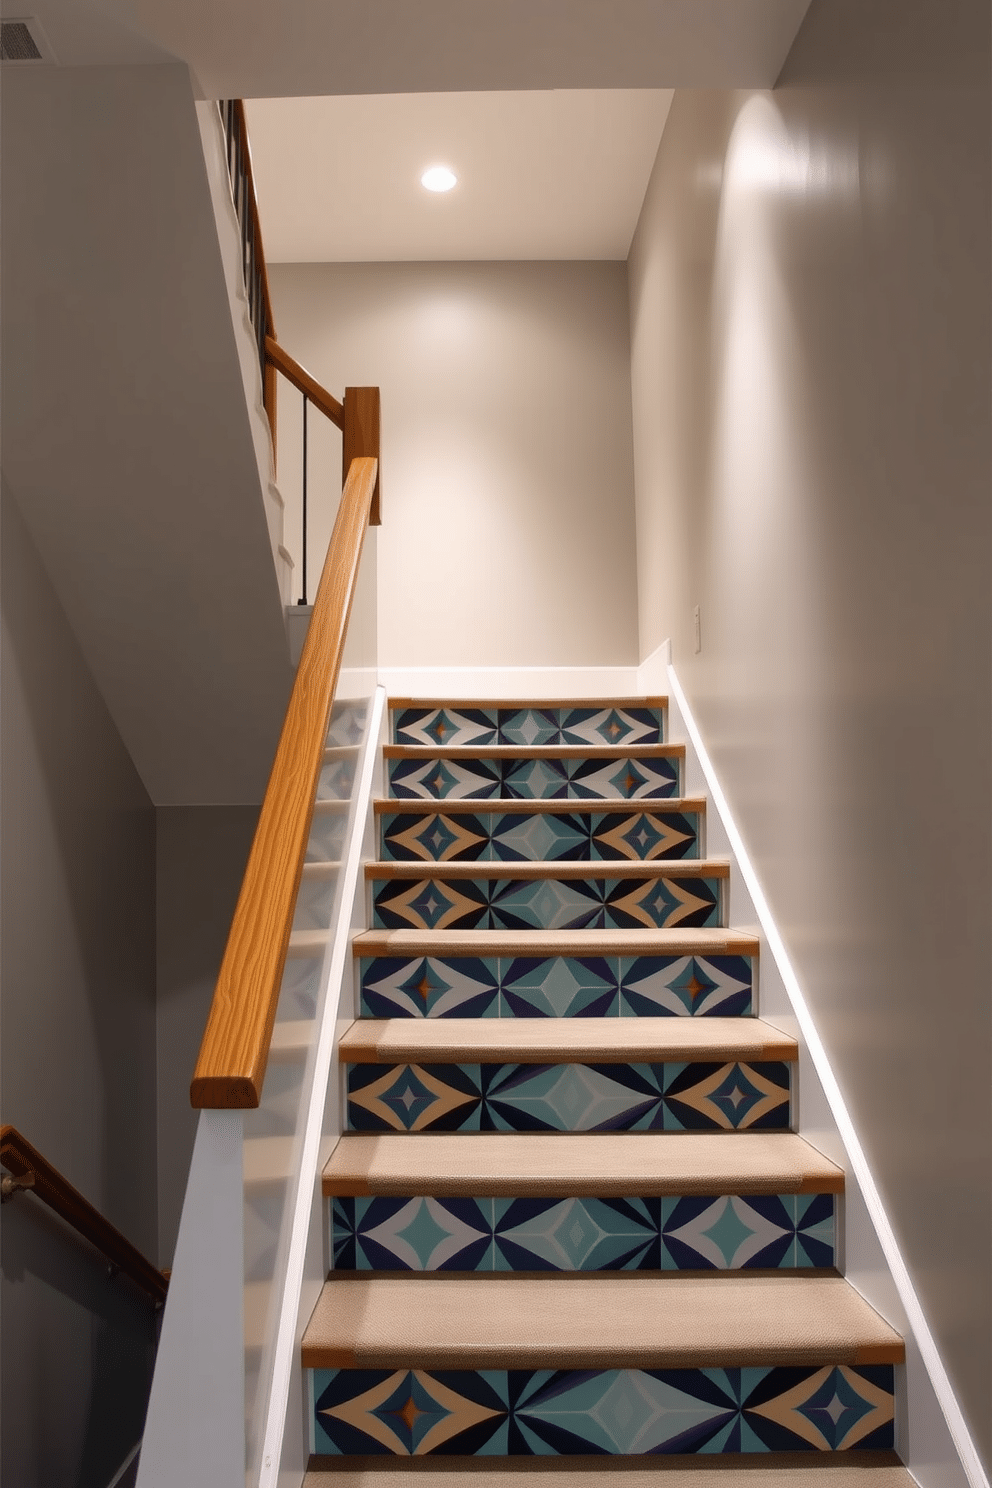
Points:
[(570, 1227)]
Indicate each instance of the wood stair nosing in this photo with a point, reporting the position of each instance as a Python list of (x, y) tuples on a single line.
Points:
[(510, 805), (796, 1469), (537, 751), (569, 868), (517, 705)]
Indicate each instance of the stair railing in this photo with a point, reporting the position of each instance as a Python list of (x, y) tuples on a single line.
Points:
[(34, 1174), (256, 273), (235, 1049), (357, 416), (248, 1259)]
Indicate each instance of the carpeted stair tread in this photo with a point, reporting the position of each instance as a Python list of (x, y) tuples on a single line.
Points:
[(472, 806), (532, 751), (562, 868), (783, 1470), (553, 1165), (562, 1040), (461, 705), (594, 1321), (714, 941)]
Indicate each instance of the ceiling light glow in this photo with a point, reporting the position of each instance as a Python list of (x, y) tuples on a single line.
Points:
[(438, 178)]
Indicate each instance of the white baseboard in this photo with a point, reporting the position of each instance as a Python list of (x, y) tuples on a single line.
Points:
[(932, 1436)]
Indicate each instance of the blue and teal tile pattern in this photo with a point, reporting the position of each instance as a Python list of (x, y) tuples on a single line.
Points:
[(721, 1233), (538, 836), (609, 724), (442, 903), (555, 986), (696, 1096), (349, 717), (651, 777), (615, 1412), (337, 773)]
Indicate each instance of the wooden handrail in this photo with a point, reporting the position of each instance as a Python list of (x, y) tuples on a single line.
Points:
[(256, 221), (235, 1048), (361, 437), (37, 1174), (358, 416), (300, 378)]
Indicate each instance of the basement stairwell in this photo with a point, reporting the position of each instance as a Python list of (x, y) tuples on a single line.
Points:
[(498, 1171)]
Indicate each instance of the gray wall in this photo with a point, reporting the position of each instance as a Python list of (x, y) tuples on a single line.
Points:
[(77, 1067), (127, 437), (201, 856), (811, 373), (506, 452)]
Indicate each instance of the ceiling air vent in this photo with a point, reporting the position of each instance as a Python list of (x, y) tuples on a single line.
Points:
[(24, 41)]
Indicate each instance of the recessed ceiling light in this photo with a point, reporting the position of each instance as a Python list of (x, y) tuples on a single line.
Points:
[(439, 178)]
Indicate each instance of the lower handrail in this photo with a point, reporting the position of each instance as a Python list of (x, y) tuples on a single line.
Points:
[(33, 1172)]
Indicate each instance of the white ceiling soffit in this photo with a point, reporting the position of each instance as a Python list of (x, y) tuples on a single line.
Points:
[(540, 175), (303, 48)]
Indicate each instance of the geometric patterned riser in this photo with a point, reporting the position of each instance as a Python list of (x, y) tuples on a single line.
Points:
[(697, 1096), (615, 778), (455, 727), (555, 986), (538, 836), (442, 903), (722, 1233), (616, 1412)]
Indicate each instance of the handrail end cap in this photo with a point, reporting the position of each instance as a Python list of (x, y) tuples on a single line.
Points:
[(224, 1093)]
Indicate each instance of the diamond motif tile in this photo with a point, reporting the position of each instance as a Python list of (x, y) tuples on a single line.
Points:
[(429, 987), (440, 779), (529, 725), (460, 834), (615, 1412), (582, 1234), (444, 727), (557, 987), (566, 1097), (466, 778), (646, 986), (489, 903), (720, 986), (434, 837)]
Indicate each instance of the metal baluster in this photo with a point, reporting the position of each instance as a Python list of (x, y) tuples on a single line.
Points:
[(304, 599), (229, 124), (260, 324), (251, 260), (245, 217)]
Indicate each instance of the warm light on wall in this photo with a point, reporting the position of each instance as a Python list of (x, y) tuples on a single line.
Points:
[(439, 178)]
